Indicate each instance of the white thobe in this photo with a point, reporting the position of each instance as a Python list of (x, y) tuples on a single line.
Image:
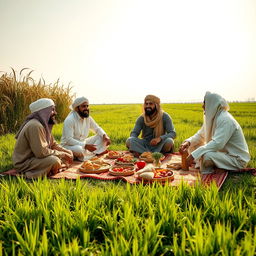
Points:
[(75, 133), (227, 148)]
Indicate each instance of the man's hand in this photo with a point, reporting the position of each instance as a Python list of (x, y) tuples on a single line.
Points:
[(189, 160), (106, 139), (184, 147), (90, 147), (155, 141), (70, 153), (67, 157)]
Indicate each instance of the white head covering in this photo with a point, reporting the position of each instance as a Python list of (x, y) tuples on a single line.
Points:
[(78, 101), (40, 104), (214, 105)]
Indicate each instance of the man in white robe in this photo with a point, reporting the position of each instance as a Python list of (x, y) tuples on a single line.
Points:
[(220, 142), (76, 128)]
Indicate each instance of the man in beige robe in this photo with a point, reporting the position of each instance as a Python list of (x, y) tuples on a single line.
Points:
[(36, 153)]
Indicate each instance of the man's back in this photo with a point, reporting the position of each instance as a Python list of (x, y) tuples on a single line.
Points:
[(27, 141)]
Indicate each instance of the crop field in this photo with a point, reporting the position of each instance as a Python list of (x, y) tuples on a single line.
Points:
[(91, 217)]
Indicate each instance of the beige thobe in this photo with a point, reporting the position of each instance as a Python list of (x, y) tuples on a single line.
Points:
[(32, 155)]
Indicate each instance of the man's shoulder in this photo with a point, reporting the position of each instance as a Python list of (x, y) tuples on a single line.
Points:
[(140, 119), (226, 117), (32, 125), (166, 116), (70, 118)]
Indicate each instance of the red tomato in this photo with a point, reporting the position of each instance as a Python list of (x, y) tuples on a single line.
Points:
[(141, 164)]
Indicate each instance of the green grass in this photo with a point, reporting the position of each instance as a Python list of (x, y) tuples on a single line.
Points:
[(91, 217)]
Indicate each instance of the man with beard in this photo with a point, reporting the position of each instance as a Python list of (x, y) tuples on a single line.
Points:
[(220, 142), (36, 153), (76, 128), (158, 132)]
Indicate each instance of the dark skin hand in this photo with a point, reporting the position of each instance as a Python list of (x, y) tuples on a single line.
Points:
[(106, 139), (155, 141), (184, 147), (90, 147)]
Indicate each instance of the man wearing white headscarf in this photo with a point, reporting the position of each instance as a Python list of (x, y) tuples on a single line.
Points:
[(220, 142), (157, 129), (76, 128), (36, 153)]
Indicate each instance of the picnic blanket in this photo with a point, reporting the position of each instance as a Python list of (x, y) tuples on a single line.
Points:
[(190, 177)]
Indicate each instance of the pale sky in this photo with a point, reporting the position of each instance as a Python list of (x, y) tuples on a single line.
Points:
[(118, 51)]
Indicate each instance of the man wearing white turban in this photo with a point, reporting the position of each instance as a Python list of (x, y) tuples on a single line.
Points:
[(220, 142), (36, 153), (157, 129), (76, 128)]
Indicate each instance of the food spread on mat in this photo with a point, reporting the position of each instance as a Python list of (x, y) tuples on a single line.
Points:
[(126, 159), (175, 166), (113, 154), (151, 173), (97, 166), (122, 171), (147, 157)]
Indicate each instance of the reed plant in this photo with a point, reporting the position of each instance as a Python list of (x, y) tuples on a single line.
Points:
[(18, 90)]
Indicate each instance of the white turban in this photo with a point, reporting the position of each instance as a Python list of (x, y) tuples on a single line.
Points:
[(214, 105), (40, 104), (78, 101)]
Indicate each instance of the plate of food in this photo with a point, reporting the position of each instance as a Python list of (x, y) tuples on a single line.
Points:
[(147, 157), (151, 174), (174, 166), (121, 170), (125, 160), (114, 154), (91, 167)]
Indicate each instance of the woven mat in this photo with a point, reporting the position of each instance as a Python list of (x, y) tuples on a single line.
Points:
[(191, 177)]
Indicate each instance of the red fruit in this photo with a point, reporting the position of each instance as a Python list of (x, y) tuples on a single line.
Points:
[(141, 164)]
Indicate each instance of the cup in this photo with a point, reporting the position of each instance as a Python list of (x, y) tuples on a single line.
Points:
[(184, 165)]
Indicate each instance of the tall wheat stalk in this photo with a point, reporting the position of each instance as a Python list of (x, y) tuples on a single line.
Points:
[(17, 91)]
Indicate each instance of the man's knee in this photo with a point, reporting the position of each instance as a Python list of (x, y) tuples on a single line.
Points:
[(168, 145), (208, 159), (129, 141), (52, 160), (46, 165), (77, 150)]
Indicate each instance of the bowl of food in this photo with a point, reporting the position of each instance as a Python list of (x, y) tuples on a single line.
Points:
[(147, 157), (152, 174), (125, 160), (121, 170), (113, 154), (91, 167)]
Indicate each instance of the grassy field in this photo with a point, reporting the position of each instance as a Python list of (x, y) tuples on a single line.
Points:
[(87, 217)]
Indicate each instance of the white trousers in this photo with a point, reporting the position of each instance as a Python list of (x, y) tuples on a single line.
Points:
[(95, 140), (219, 159)]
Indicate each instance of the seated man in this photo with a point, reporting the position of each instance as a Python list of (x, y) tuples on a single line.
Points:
[(76, 129), (220, 141), (36, 153), (157, 129)]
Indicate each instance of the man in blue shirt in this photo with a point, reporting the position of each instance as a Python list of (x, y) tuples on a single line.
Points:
[(157, 129)]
